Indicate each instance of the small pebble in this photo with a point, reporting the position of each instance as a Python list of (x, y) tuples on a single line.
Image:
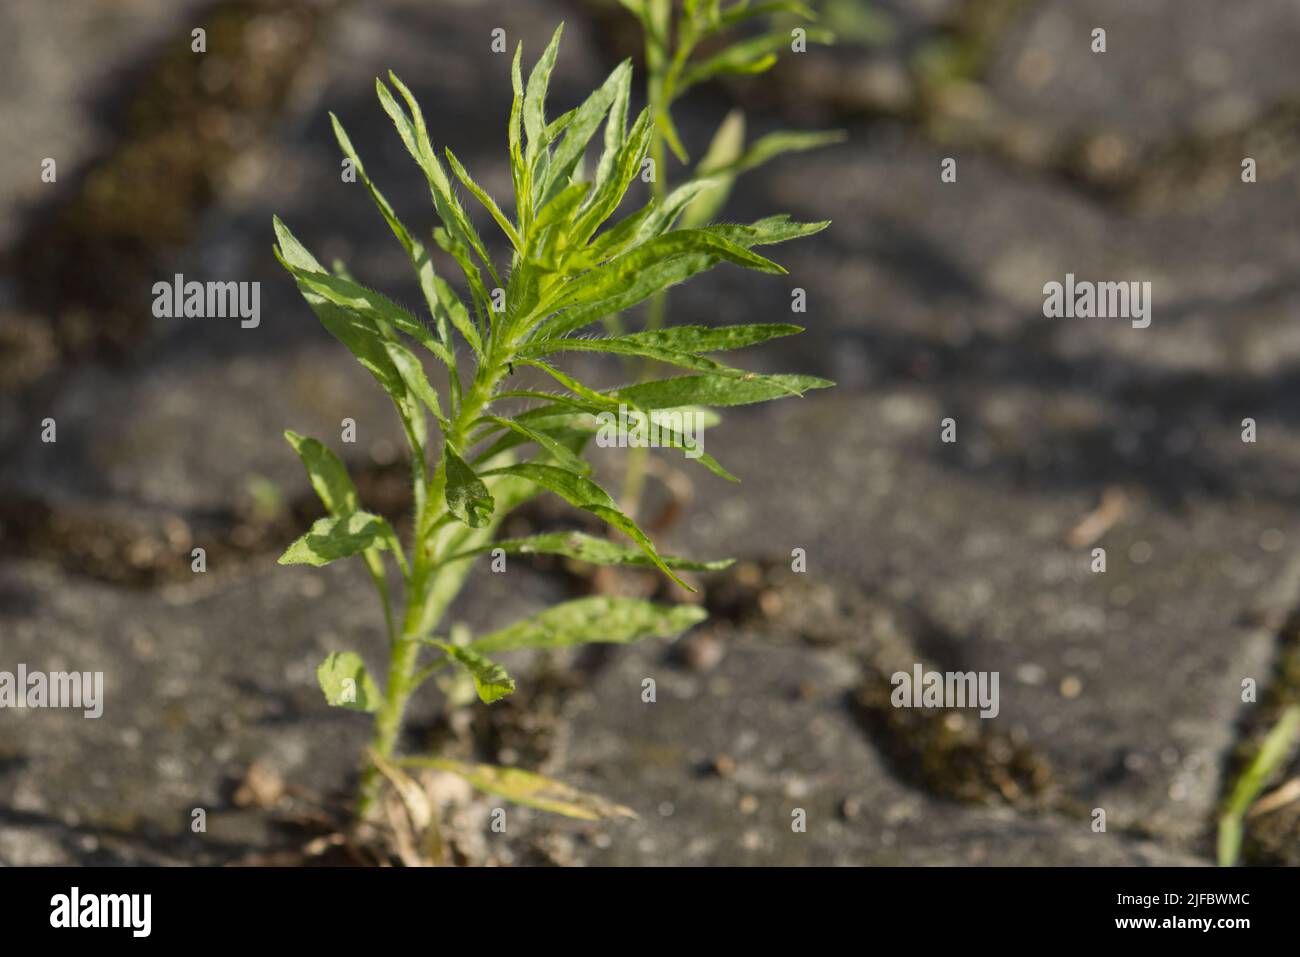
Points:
[(703, 652), (724, 765)]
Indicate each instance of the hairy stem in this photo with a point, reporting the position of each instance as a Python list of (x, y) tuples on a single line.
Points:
[(425, 604)]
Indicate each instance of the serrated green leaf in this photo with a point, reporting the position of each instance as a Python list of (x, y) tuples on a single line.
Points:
[(619, 238), (765, 232), (680, 345), (354, 330), (346, 683), (558, 125), (507, 494), (535, 94), (562, 207), (473, 276), (586, 548), (768, 147), (584, 392), (412, 373), (609, 192), (527, 788), (454, 312), (436, 298), (586, 118), (698, 339), (639, 288), (416, 138), (468, 497), (563, 457), (372, 306), (490, 679), (585, 494), (622, 345), (573, 439), (666, 214), (584, 416), (650, 267), (515, 132), (487, 201), (328, 475), (638, 427), (342, 537), (596, 418), (638, 285), (716, 391), (615, 129), (599, 619)]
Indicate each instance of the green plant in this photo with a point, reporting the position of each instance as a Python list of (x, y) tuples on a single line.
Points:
[(673, 42), (566, 273), (1271, 757)]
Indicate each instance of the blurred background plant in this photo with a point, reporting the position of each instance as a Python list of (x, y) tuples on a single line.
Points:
[(1122, 690), (687, 46)]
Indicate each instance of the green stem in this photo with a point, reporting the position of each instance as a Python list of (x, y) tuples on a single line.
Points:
[(424, 604), (638, 456), (1269, 759)]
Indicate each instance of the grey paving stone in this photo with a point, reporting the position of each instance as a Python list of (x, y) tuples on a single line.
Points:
[(925, 302)]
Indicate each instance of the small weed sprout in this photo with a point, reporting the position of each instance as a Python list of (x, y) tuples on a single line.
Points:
[(568, 270)]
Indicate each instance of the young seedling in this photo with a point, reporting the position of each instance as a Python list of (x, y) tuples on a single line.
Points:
[(569, 268), (674, 65)]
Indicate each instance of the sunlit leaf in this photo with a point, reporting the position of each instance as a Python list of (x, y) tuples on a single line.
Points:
[(416, 138), (717, 391), (329, 477), (535, 94), (600, 619), (586, 548), (341, 537), (490, 679), (610, 191), (562, 455), (439, 298), (412, 373), (346, 683), (585, 494), (568, 153), (488, 202), (467, 497)]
